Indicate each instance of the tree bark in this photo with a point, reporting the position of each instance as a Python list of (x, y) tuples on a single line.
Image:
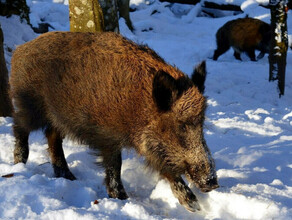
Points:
[(5, 101), (226, 7), (124, 11), (189, 2), (85, 16), (279, 43), (110, 12)]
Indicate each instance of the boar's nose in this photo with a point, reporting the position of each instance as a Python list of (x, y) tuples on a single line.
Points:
[(210, 185), (213, 183)]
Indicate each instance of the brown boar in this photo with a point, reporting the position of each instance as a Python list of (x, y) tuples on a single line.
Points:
[(243, 35), (110, 93)]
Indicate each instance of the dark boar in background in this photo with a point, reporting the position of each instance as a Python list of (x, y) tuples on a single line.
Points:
[(110, 93), (243, 35)]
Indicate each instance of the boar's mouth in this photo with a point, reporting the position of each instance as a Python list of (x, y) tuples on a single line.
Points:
[(210, 185), (204, 185)]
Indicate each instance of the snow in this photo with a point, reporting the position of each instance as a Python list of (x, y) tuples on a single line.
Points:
[(248, 129)]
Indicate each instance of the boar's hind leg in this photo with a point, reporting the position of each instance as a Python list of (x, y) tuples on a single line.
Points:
[(112, 164), (21, 143), (261, 55), (57, 155), (184, 194)]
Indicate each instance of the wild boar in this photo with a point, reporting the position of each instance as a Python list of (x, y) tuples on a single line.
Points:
[(243, 35), (108, 92)]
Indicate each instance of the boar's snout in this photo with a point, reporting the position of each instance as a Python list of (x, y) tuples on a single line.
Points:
[(210, 185), (204, 182)]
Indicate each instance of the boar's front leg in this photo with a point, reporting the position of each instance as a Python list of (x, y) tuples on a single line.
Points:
[(251, 54), (112, 163), (237, 55), (21, 149), (57, 155), (183, 193)]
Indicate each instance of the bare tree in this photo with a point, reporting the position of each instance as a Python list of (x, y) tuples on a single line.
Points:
[(110, 12), (5, 102), (8, 8), (124, 11), (279, 43), (86, 16)]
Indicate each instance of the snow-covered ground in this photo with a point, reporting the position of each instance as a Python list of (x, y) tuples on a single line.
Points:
[(248, 129)]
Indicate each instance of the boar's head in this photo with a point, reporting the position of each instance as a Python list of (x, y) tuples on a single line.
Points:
[(265, 31), (174, 139)]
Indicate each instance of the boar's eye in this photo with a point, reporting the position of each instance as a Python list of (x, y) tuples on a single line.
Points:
[(183, 127)]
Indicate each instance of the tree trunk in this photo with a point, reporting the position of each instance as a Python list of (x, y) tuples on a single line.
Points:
[(189, 2), (5, 102), (124, 11), (226, 7), (17, 7), (85, 16), (110, 12), (279, 43)]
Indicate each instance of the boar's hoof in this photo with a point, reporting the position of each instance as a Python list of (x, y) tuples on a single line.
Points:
[(65, 173), (121, 196), (118, 194), (191, 204), (19, 159), (184, 194), (20, 154)]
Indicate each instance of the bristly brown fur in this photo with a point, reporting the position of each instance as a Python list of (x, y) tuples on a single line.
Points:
[(243, 35), (108, 92)]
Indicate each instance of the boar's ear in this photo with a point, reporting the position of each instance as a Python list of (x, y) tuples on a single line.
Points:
[(199, 76), (164, 90)]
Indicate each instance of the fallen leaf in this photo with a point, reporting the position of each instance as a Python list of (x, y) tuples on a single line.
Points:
[(95, 202), (8, 175)]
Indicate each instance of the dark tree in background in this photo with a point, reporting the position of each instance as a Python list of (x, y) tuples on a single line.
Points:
[(17, 7), (279, 43), (124, 11), (112, 11), (5, 102), (8, 8), (110, 15)]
